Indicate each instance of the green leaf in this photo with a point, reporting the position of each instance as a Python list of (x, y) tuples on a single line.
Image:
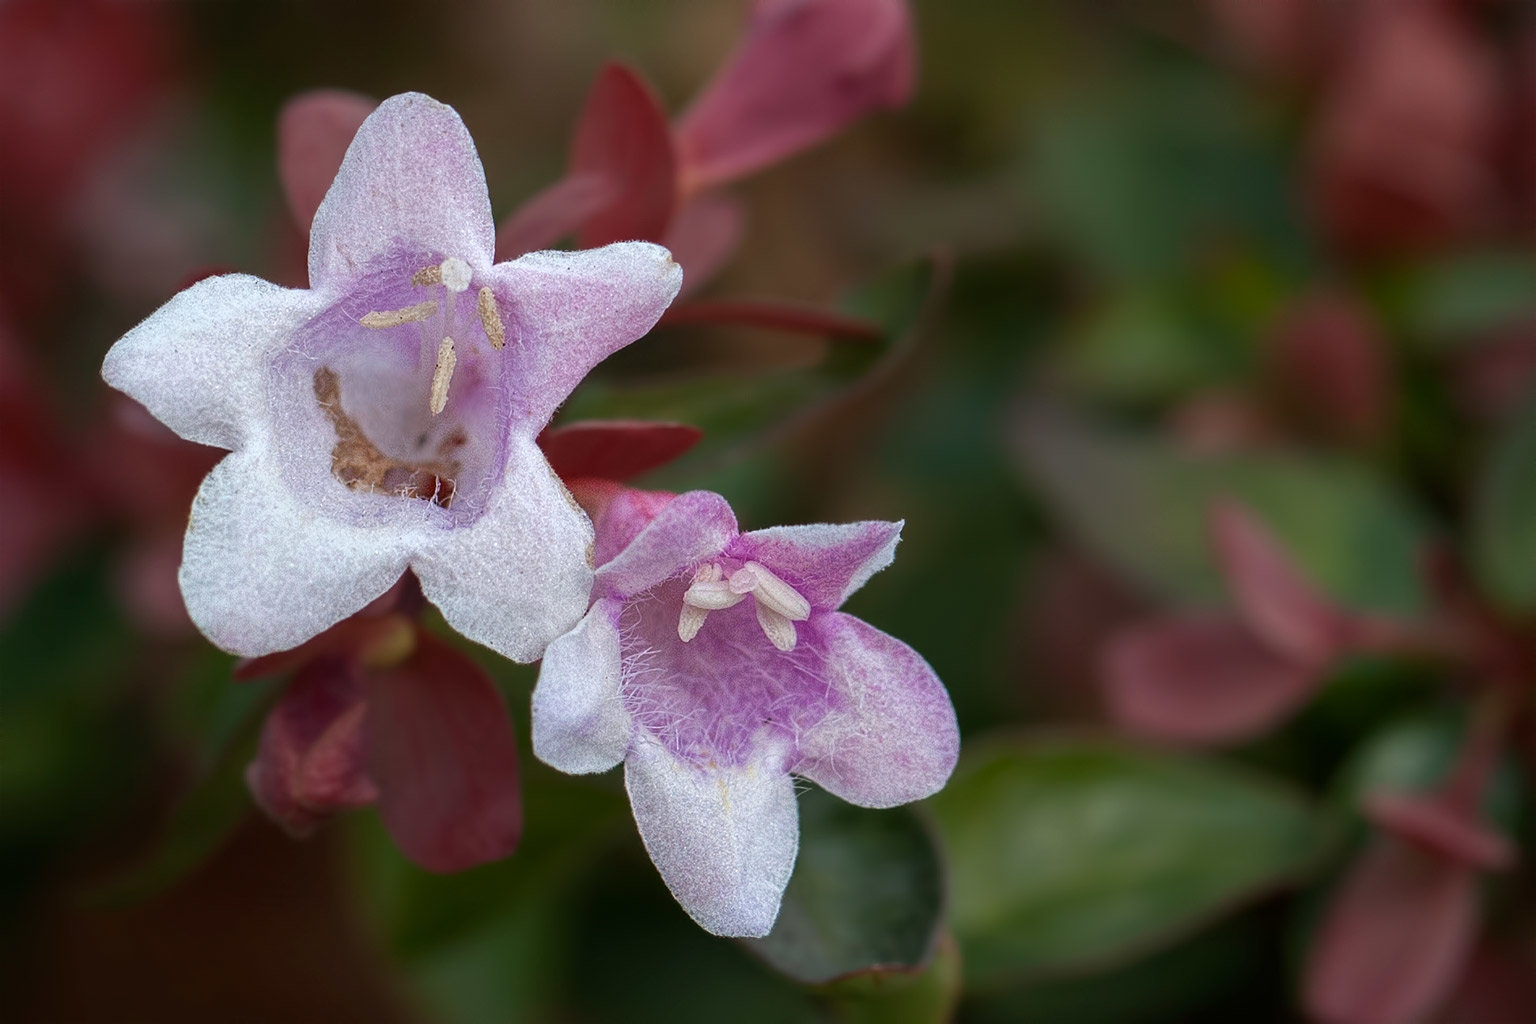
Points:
[(1504, 516), (1072, 853), (1454, 300), (1141, 504), (893, 997), (867, 894), (737, 411)]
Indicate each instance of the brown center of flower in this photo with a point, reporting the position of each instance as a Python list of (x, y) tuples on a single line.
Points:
[(357, 462)]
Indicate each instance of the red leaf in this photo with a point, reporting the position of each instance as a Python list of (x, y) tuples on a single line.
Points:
[(1332, 362), (314, 130), (615, 449), (1441, 828), (1200, 680), (623, 138), (552, 215), (441, 750)]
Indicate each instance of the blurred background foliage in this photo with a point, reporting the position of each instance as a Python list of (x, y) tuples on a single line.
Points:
[(1080, 243)]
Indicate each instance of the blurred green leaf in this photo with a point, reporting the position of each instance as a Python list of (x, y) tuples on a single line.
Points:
[(1141, 504), (1453, 300), (1504, 516), (737, 411), (1070, 853), (867, 893), (893, 997)]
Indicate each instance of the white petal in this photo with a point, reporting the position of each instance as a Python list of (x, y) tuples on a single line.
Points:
[(518, 577), (724, 839), (199, 362), (579, 721), (261, 572), (411, 178)]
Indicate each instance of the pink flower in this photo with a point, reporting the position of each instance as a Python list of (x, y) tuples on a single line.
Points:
[(385, 418), (715, 665)]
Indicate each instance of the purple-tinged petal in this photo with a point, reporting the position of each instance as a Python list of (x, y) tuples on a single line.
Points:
[(568, 311), (314, 130), (615, 449), (1396, 935), (825, 562), (618, 513), (261, 572), (411, 180), (442, 752), (623, 137), (691, 528), (518, 576), (804, 70), (724, 839), (580, 724), (891, 737), (311, 763), (1200, 680), (552, 214), (703, 235), (1278, 604), (199, 362)]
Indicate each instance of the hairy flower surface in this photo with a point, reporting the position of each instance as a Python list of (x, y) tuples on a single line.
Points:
[(385, 417), (715, 665)]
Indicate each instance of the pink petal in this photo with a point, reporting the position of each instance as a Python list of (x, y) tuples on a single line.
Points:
[(441, 749), (314, 130), (691, 527), (622, 514), (804, 70), (1395, 938), (825, 562), (552, 214), (1440, 828), (1282, 608), (310, 763), (1200, 680), (623, 138), (615, 449), (703, 235)]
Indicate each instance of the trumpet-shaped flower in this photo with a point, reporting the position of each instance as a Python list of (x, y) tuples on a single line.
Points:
[(385, 417), (715, 665)]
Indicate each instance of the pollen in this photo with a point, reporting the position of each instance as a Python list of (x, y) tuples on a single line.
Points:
[(427, 276), (455, 274), (490, 318), (442, 375), (395, 317)]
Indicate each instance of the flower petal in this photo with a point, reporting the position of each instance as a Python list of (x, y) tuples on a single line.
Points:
[(198, 363), (571, 310), (314, 130), (615, 449), (724, 839), (580, 724), (1200, 680), (411, 179), (442, 752), (896, 739), (803, 71), (825, 562), (691, 528), (260, 572), (1396, 935), (518, 576)]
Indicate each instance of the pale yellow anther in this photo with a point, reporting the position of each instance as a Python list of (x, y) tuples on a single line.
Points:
[(427, 276), (490, 318), (779, 630), (395, 317), (703, 596), (455, 274), (770, 591), (690, 622), (442, 374)]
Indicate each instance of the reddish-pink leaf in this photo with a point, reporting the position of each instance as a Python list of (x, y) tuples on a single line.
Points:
[(773, 315), (553, 214), (703, 235), (1332, 363), (313, 133), (1442, 828), (804, 70), (1200, 680), (442, 752), (1395, 937), (623, 138), (615, 449), (1281, 607)]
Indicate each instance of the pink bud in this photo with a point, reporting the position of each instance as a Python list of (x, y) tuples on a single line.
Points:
[(314, 130), (804, 70)]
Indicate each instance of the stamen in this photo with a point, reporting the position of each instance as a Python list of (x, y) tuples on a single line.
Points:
[(490, 318), (427, 276), (706, 586), (690, 622), (446, 361), (770, 591), (712, 595), (455, 274), (779, 630), (395, 317)]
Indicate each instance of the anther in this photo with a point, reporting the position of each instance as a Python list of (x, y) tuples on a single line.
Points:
[(395, 317), (427, 276), (490, 318), (770, 591), (455, 274), (442, 374), (779, 630), (708, 592)]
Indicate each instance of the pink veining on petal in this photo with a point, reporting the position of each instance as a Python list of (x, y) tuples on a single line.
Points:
[(314, 130), (441, 749), (1200, 680), (803, 70)]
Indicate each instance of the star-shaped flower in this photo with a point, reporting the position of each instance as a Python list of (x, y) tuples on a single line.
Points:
[(384, 418), (715, 665)]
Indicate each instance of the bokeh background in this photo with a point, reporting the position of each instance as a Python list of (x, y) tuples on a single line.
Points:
[(1127, 259)]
